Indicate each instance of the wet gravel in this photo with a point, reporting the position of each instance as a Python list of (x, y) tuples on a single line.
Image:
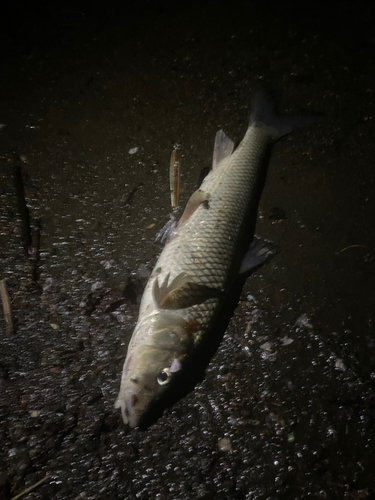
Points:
[(93, 98)]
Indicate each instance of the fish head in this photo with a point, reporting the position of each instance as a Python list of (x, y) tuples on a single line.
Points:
[(149, 370)]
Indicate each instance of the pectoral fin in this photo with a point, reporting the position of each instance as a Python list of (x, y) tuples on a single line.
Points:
[(195, 200), (175, 366), (259, 252)]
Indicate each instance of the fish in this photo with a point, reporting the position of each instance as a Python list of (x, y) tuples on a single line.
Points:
[(191, 278)]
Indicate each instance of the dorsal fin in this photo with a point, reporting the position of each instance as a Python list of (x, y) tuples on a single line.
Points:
[(222, 149)]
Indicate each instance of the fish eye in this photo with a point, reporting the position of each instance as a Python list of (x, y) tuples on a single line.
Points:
[(164, 376)]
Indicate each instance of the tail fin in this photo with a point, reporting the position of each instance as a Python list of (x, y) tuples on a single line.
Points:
[(264, 112)]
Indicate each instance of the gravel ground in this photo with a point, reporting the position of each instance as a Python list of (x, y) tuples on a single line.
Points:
[(92, 99)]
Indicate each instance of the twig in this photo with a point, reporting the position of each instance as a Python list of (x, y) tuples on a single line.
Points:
[(174, 176), (27, 490), (34, 250), (353, 246), (22, 207), (129, 198), (8, 316)]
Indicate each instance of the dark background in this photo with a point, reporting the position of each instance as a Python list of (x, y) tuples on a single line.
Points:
[(291, 387)]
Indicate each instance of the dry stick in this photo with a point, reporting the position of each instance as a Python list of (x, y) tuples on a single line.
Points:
[(30, 488), (353, 246), (174, 176), (22, 207), (31, 240), (8, 316), (34, 254)]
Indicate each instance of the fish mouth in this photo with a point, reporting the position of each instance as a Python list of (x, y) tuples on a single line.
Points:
[(130, 415)]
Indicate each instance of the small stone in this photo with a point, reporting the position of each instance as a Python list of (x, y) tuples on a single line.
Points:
[(286, 341), (97, 286), (339, 365), (225, 444)]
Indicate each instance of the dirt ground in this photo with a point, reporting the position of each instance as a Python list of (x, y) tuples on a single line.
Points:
[(92, 99)]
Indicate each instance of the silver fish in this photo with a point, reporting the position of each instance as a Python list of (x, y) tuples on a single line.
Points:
[(189, 282)]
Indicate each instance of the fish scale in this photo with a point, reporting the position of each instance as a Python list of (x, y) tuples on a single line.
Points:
[(193, 273), (204, 247)]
